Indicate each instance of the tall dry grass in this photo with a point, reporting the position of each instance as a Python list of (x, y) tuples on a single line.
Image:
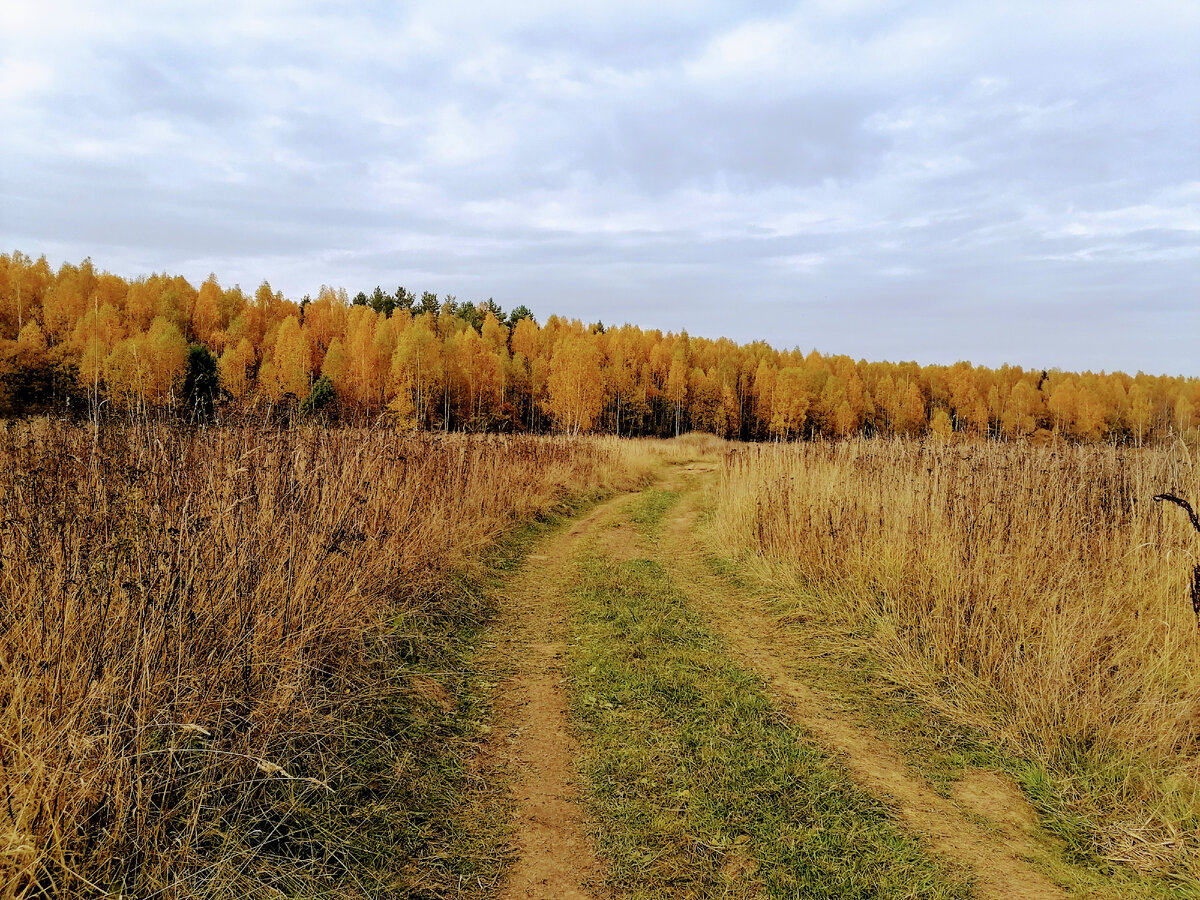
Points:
[(1036, 593), (184, 613)]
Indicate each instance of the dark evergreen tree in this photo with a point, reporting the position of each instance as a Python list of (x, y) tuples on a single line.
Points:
[(321, 401), (429, 304), (521, 312), (201, 384), (383, 303), (469, 313)]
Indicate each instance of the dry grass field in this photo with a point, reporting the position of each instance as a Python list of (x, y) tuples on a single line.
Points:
[(191, 617), (241, 662), (1035, 593)]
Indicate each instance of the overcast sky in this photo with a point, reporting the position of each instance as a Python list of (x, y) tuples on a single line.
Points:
[(995, 181)]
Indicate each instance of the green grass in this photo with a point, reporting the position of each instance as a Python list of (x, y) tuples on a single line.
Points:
[(649, 508), (700, 788)]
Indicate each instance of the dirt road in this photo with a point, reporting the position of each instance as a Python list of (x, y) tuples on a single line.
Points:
[(985, 830)]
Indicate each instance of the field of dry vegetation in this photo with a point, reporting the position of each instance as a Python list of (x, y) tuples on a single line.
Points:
[(199, 625), (1035, 593), (216, 644)]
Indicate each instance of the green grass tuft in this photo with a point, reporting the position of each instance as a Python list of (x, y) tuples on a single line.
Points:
[(649, 509)]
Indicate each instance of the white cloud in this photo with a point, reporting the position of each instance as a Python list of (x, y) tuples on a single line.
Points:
[(454, 139), (24, 79), (803, 263), (1127, 220)]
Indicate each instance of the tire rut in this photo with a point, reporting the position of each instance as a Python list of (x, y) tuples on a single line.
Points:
[(554, 858)]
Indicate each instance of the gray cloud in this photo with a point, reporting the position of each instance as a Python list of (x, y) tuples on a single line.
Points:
[(1005, 183)]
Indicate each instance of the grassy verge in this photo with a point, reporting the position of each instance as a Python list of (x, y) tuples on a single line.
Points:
[(700, 788), (410, 814), (406, 812), (943, 748)]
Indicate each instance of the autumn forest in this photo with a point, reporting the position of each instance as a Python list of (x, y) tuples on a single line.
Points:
[(85, 340)]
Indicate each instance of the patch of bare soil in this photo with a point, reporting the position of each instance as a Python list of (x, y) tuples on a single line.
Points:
[(994, 853), (618, 540), (993, 796), (554, 858)]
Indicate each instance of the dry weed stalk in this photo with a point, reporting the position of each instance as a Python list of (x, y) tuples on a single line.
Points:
[(1195, 520)]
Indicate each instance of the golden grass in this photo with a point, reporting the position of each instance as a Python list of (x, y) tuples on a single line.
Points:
[(183, 611), (691, 447), (1036, 593)]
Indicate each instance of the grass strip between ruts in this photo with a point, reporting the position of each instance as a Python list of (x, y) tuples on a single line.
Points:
[(699, 787)]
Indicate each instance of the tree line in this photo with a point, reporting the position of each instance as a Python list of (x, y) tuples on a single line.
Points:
[(81, 340)]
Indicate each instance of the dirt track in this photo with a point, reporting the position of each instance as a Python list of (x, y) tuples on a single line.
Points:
[(986, 829), (554, 857)]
